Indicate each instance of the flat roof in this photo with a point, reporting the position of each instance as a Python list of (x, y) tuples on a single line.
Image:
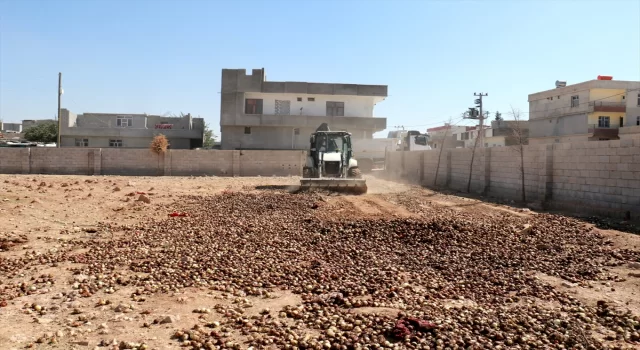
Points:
[(586, 85)]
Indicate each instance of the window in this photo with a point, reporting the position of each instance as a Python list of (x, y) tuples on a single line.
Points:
[(115, 143), (283, 107), (311, 99), (124, 122), (638, 99), (621, 121), (335, 109), (247, 130), (604, 122), (299, 99), (253, 106), (82, 142), (638, 120), (575, 101)]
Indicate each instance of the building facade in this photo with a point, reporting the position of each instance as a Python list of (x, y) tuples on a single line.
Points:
[(507, 133), (102, 130), (589, 111), (11, 127), (260, 114), (446, 136)]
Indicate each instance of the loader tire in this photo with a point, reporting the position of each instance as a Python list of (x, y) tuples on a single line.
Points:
[(355, 173), (306, 173)]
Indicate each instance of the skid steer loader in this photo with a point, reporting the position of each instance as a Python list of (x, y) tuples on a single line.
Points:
[(330, 164)]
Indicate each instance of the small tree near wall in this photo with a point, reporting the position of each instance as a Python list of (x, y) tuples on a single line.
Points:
[(521, 138), (209, 137), (159, 144), (46, 132)]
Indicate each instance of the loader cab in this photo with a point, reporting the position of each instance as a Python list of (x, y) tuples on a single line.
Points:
[(331, 142)]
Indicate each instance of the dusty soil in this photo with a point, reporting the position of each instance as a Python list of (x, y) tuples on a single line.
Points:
[(41, 214)]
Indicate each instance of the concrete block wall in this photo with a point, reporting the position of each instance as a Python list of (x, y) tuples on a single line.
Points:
[(200, 162), (142, 162), (73, 161), (460, 160), (270, 163), (131, 162), (592, 177), (14, 160), (603, 175), (505, 173)]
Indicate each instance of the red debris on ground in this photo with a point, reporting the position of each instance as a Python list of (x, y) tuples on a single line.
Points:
[(405, 326), (174, 214)]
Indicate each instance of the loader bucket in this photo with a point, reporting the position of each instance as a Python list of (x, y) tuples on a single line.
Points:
[(354, 186)]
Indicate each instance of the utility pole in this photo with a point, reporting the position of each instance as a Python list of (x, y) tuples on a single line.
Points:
[(59, 96), (476, 114), (480, 115)]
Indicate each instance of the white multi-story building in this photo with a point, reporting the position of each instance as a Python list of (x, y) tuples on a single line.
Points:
[(260, 114)]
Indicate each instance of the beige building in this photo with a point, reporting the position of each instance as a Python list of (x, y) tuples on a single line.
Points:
[(589, 111), (102, 130)]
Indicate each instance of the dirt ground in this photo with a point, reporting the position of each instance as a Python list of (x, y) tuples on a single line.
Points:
[(40, 214)]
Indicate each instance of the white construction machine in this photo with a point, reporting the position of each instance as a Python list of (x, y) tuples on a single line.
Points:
[(330, 164)]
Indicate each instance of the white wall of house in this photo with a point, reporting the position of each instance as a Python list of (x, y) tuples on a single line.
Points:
[(495, 141), (633, 106), (354, 106)]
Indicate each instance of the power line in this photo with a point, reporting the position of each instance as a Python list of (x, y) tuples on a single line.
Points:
[(548, 110), (421, 125)]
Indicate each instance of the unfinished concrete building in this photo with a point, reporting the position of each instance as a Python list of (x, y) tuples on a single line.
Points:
[(260, 114), (102, 130)]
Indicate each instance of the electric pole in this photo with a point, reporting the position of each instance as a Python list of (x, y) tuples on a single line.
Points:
[(476, 114), (480, 116), (59, 96)]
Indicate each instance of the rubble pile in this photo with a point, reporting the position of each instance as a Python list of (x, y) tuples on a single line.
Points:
[(441, 280)]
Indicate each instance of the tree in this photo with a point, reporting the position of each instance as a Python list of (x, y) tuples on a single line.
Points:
[(521, 138), (159, 144), (444, 141), (499, 117), (46, 132), (473, 155), (209, 138)]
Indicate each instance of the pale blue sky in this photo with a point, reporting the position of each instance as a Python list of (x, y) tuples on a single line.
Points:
[(165, 56)]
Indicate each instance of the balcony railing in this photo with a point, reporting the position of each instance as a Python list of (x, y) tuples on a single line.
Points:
[(604, 130), (298, 121), (601, 106)]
